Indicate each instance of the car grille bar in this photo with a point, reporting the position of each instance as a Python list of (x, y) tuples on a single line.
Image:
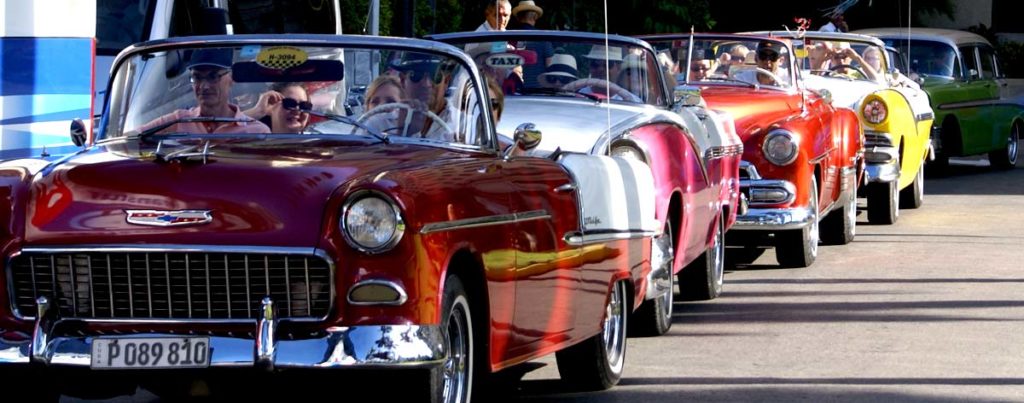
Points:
[(876, 139), (170, 285)]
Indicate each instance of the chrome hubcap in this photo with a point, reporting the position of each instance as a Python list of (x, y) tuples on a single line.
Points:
[(812, 236), (663, 258), (455, 367), (717, 260), (1011, 145), (614, 328), (851, 213)]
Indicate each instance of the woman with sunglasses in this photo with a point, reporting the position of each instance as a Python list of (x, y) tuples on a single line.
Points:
[(285, 105)]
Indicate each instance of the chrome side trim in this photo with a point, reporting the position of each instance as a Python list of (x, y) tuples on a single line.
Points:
[(568, 187), (370, 346), (818, 159), (970, 104), (402, 295), (924, 116), (578, 239), (485, 221)]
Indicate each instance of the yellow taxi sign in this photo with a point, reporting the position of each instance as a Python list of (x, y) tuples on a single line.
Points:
[(281, 57)]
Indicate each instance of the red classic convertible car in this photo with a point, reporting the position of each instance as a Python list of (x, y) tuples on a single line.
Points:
[(230, 214), (802, 159), (608, 96)]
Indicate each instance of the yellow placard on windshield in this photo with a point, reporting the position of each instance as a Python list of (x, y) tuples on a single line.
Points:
[(800, 52), (281, 57)]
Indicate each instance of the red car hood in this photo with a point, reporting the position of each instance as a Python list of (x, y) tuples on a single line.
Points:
[(753, 110), (257, 194)]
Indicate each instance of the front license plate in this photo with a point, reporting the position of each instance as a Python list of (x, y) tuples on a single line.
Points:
[(152, 352)]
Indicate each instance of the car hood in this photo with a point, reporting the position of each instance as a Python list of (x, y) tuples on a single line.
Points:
[(845, 92), (261, 194), (567, 123), (754, 111)]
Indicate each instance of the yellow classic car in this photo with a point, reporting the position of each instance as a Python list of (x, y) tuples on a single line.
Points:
[(859, 72)]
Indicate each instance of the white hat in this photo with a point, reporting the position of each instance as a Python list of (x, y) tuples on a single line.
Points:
[(561, 65), (600, 52), (527, 5)]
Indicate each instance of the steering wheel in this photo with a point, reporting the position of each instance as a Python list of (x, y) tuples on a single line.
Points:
[(614, 89), (758, 70), (835, 69), (409, 111)]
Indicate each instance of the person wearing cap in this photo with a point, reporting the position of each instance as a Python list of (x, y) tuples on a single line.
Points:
[(425, 79), (496, 15), (560, 72), (767, 57), (605, 64), (210, 74)]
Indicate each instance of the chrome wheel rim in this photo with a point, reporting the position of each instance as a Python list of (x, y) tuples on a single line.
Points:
[(895, 197), (717, 260), (919, 189), (1011, 145), (812, 235), (851, 213), (456, 368), (664, 259), (613, 332)]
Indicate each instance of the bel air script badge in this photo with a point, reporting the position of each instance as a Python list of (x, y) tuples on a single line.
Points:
[(162, 218)]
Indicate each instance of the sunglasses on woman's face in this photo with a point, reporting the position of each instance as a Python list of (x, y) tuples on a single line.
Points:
[(293, 105), (495, 104)]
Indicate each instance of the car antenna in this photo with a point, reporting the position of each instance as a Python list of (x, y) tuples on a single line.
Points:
[(689, 58)]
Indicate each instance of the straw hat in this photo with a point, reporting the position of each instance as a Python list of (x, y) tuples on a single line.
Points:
[(527, 5), (600, 52)]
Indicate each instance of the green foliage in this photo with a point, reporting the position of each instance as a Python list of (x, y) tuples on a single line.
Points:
[(1011, 58)]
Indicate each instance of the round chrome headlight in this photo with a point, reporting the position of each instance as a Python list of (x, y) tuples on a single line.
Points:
[(780, 147), (371, 223), (628, 152), (875, 111)]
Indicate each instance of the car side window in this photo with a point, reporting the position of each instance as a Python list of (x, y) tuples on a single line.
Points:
[(988, 63), (970, 62)]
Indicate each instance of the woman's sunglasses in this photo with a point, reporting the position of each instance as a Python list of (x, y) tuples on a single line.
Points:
[(293, 104)]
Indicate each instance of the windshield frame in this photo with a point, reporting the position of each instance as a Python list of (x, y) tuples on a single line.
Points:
[(794, 77), (345, 42)]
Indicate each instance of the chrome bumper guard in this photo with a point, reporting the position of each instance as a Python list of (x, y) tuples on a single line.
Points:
[(659, 280), (763, 192), (371, 346), (881, 173), (773, 219)]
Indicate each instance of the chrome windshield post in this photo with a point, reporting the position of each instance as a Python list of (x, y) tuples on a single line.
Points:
[(265, 334), (46, 317)]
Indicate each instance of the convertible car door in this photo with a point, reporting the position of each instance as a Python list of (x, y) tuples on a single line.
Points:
[(547, 267)]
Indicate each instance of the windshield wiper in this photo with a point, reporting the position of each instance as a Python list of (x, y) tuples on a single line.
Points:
[(347, 120), (146, 134), (559, 91)]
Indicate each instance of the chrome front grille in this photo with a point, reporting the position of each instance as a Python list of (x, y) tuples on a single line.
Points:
[(170, 285), (875, 139)]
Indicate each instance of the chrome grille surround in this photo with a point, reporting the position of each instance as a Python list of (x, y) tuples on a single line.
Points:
[(159, 283)]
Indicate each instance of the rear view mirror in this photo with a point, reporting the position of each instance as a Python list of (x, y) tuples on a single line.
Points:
[(78, 133), (310, 70)]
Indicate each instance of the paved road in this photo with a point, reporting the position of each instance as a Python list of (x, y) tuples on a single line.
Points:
[(930, 309)]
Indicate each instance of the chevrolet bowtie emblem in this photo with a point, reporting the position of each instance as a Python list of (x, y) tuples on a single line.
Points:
[(162, 218)]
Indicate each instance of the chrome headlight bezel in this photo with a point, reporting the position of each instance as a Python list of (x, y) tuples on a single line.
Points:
[(875, 111), (384, 209), (788, 141), (628, 150)]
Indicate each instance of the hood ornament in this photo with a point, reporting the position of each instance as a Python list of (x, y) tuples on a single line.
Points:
[(164, 218)]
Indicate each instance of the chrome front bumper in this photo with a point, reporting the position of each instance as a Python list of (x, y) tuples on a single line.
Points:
[(881, 157), (881, 173), (372, 346), (773, 219)]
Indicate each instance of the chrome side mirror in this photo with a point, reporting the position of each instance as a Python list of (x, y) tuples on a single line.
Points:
[(826, 95), (525, 138), (78, 134), (972, 74)]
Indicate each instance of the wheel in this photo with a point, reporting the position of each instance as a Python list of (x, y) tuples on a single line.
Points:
[(799, 248), (883, 203), (913, 196), (654, 317), (452, 381), (840, 226), (702, 279), (1006, 158), (596, 363)]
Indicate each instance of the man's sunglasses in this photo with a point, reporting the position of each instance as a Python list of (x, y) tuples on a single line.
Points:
[(210, 78), (418, 75), (700, 68), (293, 104), (553, 79), (768, 55)]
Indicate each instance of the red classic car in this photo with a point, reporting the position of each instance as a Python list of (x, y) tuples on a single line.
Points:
[(230, 214), (802, 159), (627, 109)]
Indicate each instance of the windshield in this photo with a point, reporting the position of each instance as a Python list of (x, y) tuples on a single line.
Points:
[(841, 59), (569, 67), (928, 57), (729, 60), (283, 89)]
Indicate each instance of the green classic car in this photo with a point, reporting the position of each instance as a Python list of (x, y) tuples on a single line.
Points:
[(961, 74)]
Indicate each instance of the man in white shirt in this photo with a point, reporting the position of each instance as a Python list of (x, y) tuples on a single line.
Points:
[(836, 24), (496, 16)]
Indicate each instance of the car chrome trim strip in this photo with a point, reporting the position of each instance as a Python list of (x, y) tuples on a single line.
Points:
[(924, 116), (578, 239), (485, 221), (715, 152), (374, 346), (971, 104), (168, 218)]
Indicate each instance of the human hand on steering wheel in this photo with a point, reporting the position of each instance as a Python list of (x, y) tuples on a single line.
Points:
[(598, 84), (405, 116)]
